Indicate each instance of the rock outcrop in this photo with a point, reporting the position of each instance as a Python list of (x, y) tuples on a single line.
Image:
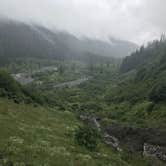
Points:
[(151, 142), (112, 141), (108, 139), (154, 151)]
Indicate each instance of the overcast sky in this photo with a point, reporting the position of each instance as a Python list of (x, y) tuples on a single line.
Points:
[(134, 20)]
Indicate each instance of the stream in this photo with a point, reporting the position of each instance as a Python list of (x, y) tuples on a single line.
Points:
[(107, 138), (148, 149)]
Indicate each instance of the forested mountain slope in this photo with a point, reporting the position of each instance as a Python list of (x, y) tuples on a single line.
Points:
[(148, 69), (154, 51), (19, 39)]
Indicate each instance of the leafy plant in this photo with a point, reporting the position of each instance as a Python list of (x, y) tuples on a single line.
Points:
[(158, 93), (88, 137)]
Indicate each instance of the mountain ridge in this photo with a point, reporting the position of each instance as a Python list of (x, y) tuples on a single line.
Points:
[(20, 39)]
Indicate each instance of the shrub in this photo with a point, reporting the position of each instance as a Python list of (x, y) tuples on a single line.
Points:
[(150, 107), (3, 93), (140, 74), (90, 107), (158, 93), (8, 83), (87, 137)]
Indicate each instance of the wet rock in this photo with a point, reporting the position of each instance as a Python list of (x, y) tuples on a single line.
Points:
[(108, 139), (154, 151), (113, 141), (134, 138)]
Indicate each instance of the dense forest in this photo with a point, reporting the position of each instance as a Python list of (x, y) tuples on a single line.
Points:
[(149, 65)]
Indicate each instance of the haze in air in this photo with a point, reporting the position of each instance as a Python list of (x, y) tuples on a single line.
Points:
[(138, 21), (82, 83)]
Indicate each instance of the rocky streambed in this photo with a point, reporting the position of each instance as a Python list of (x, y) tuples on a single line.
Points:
[(107, 138), (149, 142)]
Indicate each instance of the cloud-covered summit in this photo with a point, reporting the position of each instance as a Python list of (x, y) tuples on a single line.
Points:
[(137, 21)]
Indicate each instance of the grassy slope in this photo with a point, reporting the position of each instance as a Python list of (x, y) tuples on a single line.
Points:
[(38, 136)]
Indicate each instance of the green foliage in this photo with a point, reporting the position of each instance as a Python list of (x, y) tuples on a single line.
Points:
[(88, 137), (90, 107), (158, 92), (10, 88), (33, 136), (141, 73), (45, 137), (148, 83), (145, 55), (8, 83)]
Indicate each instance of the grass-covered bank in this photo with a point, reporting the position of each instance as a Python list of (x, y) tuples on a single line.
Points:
[(39, 136)]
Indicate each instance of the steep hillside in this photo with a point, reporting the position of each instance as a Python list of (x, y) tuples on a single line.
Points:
[(11, 89), (40, 136), (111, 48), (150, 55), (148, 69), (18, 39)]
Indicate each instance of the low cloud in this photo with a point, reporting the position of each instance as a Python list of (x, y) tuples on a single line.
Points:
[(138, 21)]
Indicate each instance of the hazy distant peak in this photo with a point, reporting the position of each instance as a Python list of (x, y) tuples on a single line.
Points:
[(59, 42)]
